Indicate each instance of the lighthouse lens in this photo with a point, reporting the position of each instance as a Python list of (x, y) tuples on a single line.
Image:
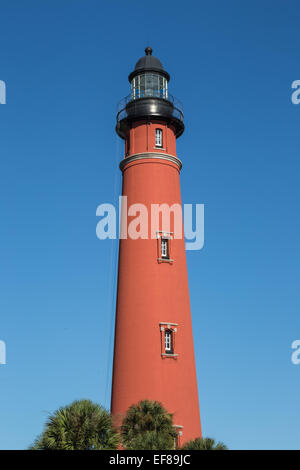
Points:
[(149, 84)]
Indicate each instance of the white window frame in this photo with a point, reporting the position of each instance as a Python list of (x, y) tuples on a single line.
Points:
[(168, 331), (158, 137), (168, 341), (166, 236), (164, 248)]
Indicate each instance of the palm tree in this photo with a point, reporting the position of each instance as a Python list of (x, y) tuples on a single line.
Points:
[(83, 425), (148, 426), (205, 443)]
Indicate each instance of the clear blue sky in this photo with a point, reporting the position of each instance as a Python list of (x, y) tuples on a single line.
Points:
[(65, 63)]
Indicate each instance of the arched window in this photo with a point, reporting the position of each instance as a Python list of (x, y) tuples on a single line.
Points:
[(158, 138), (168, 341)]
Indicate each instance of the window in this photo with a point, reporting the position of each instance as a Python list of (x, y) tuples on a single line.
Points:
[(168, 333), (179, 433), (168, 342), (158, 138), (149, 84), (164, 248)]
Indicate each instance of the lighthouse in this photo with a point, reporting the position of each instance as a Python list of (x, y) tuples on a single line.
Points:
[(153, 347)]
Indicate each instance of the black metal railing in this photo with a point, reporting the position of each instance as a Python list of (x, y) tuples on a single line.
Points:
[(177, 111), (138, 93)]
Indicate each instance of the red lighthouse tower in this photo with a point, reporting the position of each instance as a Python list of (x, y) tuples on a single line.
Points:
[(153, 352)]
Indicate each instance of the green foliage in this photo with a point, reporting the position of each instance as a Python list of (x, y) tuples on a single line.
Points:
[(83, 425), (148, 426), (205, 443)]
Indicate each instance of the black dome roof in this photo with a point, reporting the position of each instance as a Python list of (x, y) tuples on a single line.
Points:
[(148, 63)]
